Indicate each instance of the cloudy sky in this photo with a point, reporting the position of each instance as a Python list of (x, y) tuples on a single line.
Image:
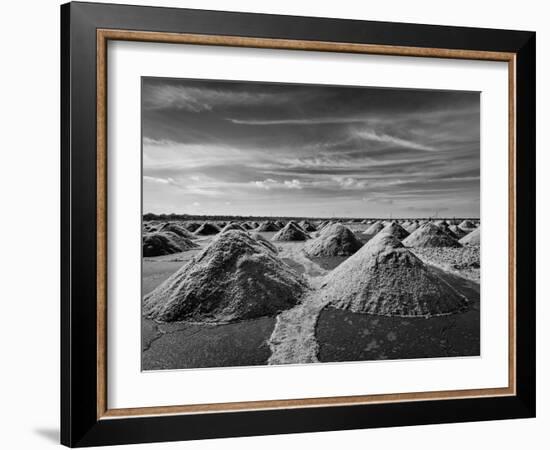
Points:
[(220, 147)]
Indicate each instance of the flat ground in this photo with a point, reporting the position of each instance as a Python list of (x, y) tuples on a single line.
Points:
[(313, 331)]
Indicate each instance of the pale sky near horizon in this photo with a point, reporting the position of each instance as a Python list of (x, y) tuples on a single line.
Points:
[(247, 148)]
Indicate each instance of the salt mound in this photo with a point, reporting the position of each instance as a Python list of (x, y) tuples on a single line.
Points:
[(374, 228), (233, 226), (467, 225), (385, 278), (473, 238), (159, 243), (307, 226), (395, 230), (457, 231), (334, 240), (176, 229), (412, 227), (430, 235), (268, 226), (207, 229), (262, 240), (234, 278), (279, 224), (253, 225), (192, 226), (291, 232), (246, 226)]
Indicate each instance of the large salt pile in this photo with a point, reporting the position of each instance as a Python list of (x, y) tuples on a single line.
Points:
[(307, 226), (395, 230), (253, 225), (333, 240), (374, 228), (178, 229), (472, 238), (160, 243), (234, 278), (279, 224), (268, 226), (291, 232), (207, 229), (430, 235), (385, 278)]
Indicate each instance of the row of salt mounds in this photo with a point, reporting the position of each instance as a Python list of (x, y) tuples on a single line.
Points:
[(385, 278), (207, 229), (234, 278), (430, 235), (177, 229), (268, 226), (473, 238), (375, 228), (233, 226), (159, 243), (395, 230), (290, 232), (333, 240)]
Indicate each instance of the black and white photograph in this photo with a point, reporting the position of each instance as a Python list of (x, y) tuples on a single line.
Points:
[(295, 223)]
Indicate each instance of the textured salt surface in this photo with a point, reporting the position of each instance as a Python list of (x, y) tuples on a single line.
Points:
[(385, 278), (430, 235), (207, 229), (374, 228), (291, 232), (333, 240), (293, 338), (162, 243), (395, 230), (234, 278), (472, 238)]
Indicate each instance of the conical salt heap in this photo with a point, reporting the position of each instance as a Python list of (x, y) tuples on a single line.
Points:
[(279, 224), (395, 230), (160, 243), (192, 226), (333, 240), (268, 226), (234, 278), (467, 225), (473, 238), (207, 229), (385, 278), (374, 228), (177, 229), (291, 232), (307, 226), (430, 235)]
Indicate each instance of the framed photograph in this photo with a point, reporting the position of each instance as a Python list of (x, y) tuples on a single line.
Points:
[(276, 224)]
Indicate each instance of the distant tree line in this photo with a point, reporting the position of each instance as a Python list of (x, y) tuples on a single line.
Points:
[(183, 217)]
